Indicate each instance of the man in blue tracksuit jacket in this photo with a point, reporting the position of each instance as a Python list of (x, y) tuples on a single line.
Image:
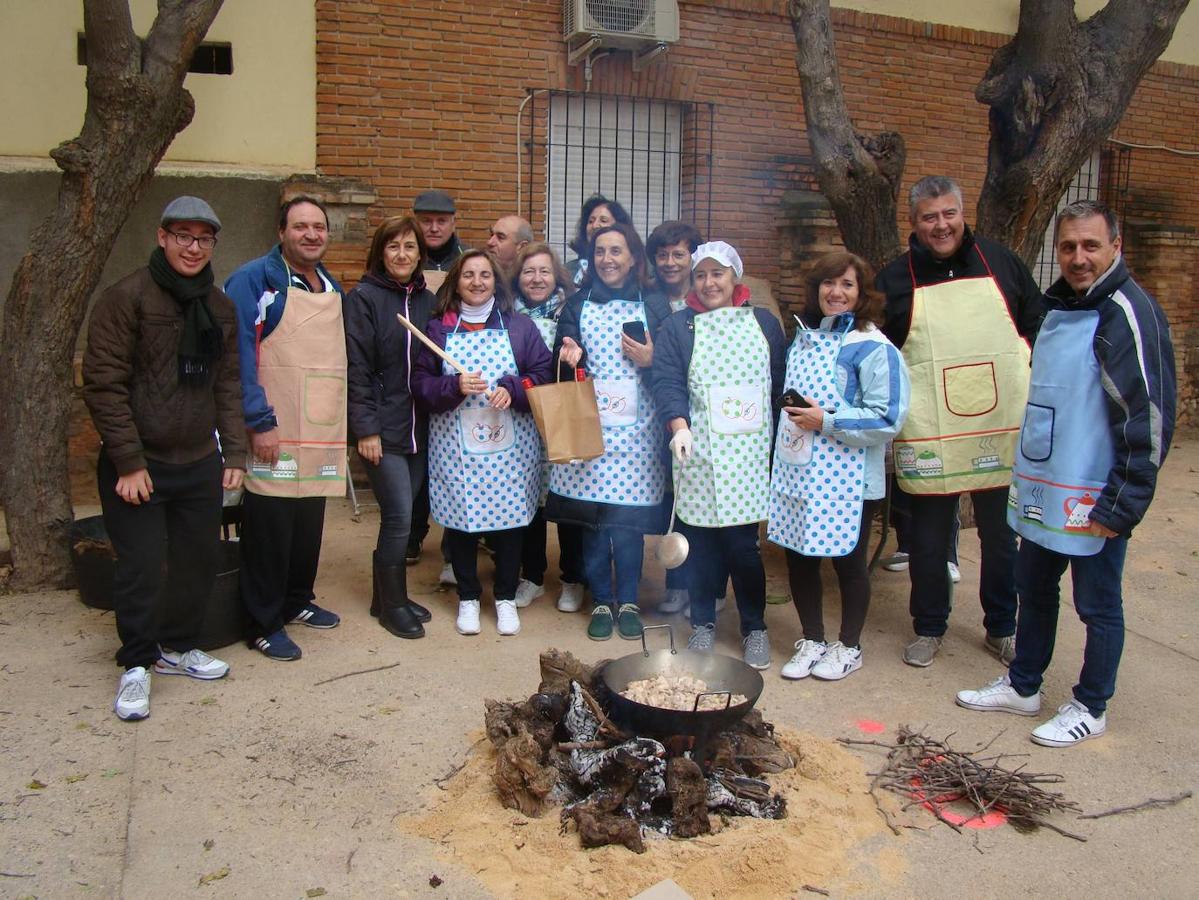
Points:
[(1099, 421)]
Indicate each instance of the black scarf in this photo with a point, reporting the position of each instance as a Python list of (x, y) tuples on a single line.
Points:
[(200, 341)]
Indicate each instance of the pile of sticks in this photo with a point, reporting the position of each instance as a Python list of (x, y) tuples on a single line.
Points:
[(930, 773)]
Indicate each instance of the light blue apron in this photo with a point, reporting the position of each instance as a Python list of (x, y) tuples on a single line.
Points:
[(630, 473), (817, 483), (1054, 483), (484, 463)]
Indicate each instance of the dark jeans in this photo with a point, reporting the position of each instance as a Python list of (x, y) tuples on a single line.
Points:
[(280, 552), (1098, 602), (570, 551), (901, 521), (181, 525), (395, 480), (807, 592), (464, 547), (716, 554), (932, 525), (606, 549)]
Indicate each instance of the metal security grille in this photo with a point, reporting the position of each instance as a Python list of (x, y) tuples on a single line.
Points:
[(1103, 177), (651, 156)]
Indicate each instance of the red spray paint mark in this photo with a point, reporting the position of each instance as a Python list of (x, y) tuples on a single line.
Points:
[(869, 726), (941, 806)]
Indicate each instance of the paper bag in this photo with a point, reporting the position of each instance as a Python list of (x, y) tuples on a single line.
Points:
[(568, 419)]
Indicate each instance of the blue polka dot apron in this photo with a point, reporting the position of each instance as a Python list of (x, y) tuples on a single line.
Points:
[(630, 473), (816, 486), (484, 463), (726, 481)]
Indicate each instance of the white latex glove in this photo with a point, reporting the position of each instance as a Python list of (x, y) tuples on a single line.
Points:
[(680, 444)]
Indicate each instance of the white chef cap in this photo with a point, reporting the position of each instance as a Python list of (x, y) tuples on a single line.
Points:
[(721, 252)]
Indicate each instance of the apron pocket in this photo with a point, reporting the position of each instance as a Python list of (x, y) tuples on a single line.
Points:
[(617, 402), (736, 409), (485, 430), (970, 389), (324, 398), (795, 443), (1036, 435)]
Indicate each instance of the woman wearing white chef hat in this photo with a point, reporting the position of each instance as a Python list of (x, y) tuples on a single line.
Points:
[(717, 369)]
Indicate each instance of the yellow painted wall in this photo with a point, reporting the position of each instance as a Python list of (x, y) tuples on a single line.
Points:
[(1002, 15), (263, 116)]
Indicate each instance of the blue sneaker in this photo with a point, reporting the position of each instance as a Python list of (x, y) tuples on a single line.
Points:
[(278, 646), (317, 617)]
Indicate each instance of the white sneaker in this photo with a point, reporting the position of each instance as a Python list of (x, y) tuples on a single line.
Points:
[(838, 662), (195, 663), (1000, 696), (1072, 725), (675, 600), (801, 664), (133, 695), (896, 562), (447, 575), (955, 574), (507, 620), (527, 592), (468, 617), (571, 598)]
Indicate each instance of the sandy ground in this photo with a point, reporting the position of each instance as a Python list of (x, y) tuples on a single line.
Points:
[(272, 784)]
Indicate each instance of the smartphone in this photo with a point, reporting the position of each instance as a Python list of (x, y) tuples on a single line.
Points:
[(791, 398), (635, 330)]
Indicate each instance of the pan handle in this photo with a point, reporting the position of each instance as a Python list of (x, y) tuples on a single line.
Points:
[(728, 698), (669, 631)]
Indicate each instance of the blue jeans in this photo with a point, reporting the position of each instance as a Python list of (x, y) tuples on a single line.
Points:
[(604, 549), (395, 481), (1098, 602), (716, 554)]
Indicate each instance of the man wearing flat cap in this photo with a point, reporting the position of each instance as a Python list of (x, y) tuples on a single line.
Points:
[(160, 379)]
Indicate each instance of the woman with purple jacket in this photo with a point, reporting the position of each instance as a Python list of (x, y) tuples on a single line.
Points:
[(484, 450)]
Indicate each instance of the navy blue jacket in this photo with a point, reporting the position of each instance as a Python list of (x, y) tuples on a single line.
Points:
[(259, 291), (1136, 363), (381, 354)]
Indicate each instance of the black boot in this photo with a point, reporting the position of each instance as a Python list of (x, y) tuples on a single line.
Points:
[(396, 613), (375, 584)]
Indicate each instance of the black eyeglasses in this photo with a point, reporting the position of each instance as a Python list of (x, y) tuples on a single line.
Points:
[(183, 239)]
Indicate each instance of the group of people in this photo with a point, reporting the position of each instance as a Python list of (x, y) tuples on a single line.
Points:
[(933, 369)]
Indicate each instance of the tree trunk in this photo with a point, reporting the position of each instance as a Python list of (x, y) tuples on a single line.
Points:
[(136, 105), (859, 175), (1056, 92)]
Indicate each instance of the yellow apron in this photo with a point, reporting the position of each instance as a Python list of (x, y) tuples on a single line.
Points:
[(969, 369), (302, 368)]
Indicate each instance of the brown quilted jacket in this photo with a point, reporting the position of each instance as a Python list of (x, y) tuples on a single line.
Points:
[(131, 382)]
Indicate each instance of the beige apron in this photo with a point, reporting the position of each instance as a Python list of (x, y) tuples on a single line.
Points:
[(302, 368), (969, 369)]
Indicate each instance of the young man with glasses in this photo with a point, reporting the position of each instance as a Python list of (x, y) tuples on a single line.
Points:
[(160, 380)]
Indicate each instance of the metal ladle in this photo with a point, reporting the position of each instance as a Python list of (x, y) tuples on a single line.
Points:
[(673, 547)]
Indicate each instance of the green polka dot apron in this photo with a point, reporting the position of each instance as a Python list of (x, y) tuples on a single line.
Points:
[(484, 463), (726, 481), (630, 473), (816, 486)]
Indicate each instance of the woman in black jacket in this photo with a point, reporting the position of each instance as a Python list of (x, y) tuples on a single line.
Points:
[(391, 433)]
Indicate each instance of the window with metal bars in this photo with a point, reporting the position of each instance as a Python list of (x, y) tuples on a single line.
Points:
[(651, 156)]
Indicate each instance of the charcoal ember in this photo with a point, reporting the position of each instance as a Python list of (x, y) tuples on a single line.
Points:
[(550, 707), (688, 791), (598, 826), (753, 723), (581, 723), (503, 720), (744, 797), (630, 759), (754, 755), (521, 780), (558, 669)]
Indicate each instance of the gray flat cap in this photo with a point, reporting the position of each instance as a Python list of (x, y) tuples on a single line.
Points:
[(190, 209), (434, 202)]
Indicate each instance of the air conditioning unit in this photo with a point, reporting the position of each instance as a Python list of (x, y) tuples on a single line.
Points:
[(623, 24)]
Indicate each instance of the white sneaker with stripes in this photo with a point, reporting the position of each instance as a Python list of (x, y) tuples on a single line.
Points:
[(838, 662), (1072, 725)]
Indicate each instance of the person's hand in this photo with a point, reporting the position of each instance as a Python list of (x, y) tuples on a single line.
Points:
[(681, 444), (1101, 530), (136, 487), (500, 398), (642, 355), (472, 383), (370, 448), (265, 446), (810, 418), (231, 479), (570, 352)]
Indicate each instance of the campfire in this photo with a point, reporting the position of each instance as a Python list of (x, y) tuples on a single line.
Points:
[(621, 762)]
